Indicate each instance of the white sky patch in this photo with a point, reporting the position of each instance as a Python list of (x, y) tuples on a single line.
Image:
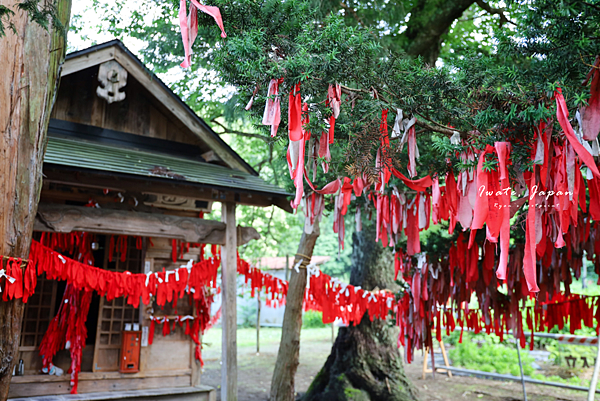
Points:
[(92, 29)]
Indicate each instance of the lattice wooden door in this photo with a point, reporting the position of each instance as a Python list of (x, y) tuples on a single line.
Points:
[(39, 311), (115, 314)]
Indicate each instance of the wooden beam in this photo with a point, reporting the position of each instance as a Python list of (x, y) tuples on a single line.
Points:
[(88, 60), (65, 218), (122, 183), (229, 314)]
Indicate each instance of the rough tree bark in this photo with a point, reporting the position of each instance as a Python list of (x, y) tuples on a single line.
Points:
[(364, 363), (30, 70), (429, 21), (282, 384)]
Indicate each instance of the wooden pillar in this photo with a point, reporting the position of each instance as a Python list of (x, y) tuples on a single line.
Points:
[(229, 314), (258, 323)]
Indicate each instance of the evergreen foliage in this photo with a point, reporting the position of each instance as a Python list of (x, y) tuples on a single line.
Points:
[(495, 92)]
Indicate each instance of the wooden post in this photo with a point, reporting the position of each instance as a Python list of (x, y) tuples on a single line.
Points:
[(332, 336), (594, 382), (425, 356), (229, 313), (446, 361), (258, 323)]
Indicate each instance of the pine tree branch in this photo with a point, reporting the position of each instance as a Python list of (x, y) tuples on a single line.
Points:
[(498, 11), (352, 11), (439, 129), (592, 5), (227, 130), (435, 127)]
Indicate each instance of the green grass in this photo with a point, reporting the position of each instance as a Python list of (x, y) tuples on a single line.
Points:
[(481, 353), (486, 353)]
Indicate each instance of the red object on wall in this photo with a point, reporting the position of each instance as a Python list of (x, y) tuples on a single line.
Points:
[(130, 352)]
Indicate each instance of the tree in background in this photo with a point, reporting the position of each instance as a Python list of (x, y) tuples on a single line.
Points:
[(32, 44)]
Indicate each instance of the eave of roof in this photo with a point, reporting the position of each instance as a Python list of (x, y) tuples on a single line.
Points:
[(71, 152)]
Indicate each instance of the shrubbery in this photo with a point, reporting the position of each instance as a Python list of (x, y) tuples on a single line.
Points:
[(312, 320)]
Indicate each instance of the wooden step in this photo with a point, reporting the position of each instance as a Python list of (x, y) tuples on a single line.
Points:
[(199, 393)]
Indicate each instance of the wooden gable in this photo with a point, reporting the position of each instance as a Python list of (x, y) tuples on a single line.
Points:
[(139, 113), (149, 109)]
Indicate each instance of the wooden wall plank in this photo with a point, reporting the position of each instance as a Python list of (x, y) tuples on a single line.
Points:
[(140, 113), (158, 124), (170, 352)]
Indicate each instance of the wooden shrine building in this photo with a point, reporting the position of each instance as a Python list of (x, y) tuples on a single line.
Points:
[(121, 140)]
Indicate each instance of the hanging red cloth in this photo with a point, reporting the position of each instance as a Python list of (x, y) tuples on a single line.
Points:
[(590, 114), (562, 114), (295, 115), (529, 258), (67, 330), (503, 151), (272, 114), (189, 26), (295, 153)]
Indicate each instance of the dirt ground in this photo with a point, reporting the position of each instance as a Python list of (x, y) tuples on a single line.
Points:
[(255, 371)]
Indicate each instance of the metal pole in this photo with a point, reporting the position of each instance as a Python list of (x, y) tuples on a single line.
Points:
[(594, 382), (514, 378), (521, 367)]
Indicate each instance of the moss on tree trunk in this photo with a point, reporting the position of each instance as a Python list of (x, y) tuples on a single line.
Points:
[(364, 363), (31, 60)]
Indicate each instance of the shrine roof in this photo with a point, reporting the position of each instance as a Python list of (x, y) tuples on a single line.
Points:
[(80, 153)]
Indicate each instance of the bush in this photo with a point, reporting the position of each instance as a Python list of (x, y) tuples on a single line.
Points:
[(481, 352), (312, 320)]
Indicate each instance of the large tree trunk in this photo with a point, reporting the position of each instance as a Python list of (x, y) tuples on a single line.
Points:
[(282, 385), (429, 21), (30, 70), (364, 363)]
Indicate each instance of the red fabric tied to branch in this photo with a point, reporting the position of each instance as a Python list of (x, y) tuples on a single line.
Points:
[(382, 162), (296, 148), (189, 26), (295, 115), (562, 114), (590, 120), (272, 114), (529, 258), (503, 152)]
